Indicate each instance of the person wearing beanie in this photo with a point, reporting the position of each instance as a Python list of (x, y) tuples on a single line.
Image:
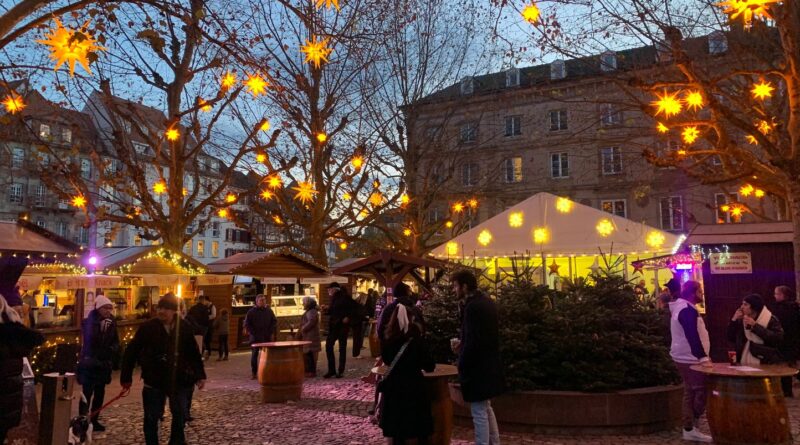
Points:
[(755, 332), (100, 344), (171, 364)]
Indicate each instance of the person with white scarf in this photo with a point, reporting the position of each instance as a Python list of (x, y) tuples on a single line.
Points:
[(755, 332)]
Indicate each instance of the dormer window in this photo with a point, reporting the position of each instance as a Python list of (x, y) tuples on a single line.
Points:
[(717, 43), (467, 86), (608, 61), (512, 77), (558, 70)]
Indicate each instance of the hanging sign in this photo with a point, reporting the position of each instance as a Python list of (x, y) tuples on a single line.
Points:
[(213, 280), (730, 263)]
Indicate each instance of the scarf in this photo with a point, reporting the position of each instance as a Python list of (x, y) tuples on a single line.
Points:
[(402, 317), (7, 313), (763, 320)]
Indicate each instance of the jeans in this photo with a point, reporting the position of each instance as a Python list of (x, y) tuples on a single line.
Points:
[(223, 345), (153, 400), (486, 431), (254, 359), (207, 341), (694, 394), (336, 333), (98, 390)]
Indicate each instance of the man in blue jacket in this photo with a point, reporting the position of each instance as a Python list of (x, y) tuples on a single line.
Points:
[(261, 324), (690, 345)]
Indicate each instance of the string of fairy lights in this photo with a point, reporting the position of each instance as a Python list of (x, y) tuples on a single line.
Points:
[(181, 262)]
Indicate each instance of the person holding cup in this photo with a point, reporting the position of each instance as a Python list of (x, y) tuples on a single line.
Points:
[(755, 332)]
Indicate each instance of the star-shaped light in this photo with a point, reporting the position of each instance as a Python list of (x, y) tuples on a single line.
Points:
[(762, 90), (604, 227), (752, 139), (261, 157), (160, 187), (267, 194), (473, 203), (458, 207), (376, 198), (747, 9), (256, 84), (322, 137), (540, 235), (265, 126), (14, 103), (343, 245), (449, 224), (222, 213), (204, 105), (563, 205), (347, 196), (274, 181), (328, 4), (746, 190), (531, 13), (405, 199), (764, 127), (71, 46), (277, 219), (656, 239), (228, 80), (668, 104), (230, 198), (694, 100), (485, 237), (407, 232), (316, 51), (759, 193), (661, 128), (554, 267), (690, 134), (172, 134), (737, 210), (305, 192), (357, 162), (515, 219), (79, 201)]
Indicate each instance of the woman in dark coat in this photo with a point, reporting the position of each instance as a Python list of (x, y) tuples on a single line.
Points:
[(755, 332), (787, 311), (406, 408), (100, 344)]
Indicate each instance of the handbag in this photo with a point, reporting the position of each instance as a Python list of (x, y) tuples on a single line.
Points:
[(384, 383), (765, 354)]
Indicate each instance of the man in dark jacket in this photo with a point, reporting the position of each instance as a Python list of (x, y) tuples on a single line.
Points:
[(787, 311), (171, 365), (200, 316), (340, 313), (479, 368), (100, 343), (261, 324)]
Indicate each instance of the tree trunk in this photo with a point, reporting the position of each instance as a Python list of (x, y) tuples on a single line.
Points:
[(793, 189)]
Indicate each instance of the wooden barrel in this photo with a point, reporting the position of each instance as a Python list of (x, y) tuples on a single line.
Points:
[(441, 409), (747, 411), (374, 344), (280, 373)]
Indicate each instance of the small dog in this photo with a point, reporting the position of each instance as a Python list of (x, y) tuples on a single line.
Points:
[(80, 431)]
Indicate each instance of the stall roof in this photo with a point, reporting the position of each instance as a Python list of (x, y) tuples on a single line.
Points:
[(24, 237), (572, 232), (115, 257), (268, 264), (391, 267), (772, 232)]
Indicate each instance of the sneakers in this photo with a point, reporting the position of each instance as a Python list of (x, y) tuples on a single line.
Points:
[(695, 435)]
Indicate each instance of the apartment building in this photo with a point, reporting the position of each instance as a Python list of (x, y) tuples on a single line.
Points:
[(570, 129)]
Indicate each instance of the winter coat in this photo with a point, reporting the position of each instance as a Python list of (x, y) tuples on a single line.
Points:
[(772, 335), (341, 306), (16, 342), (222, 323), (98, 350), (788, 313), (406, 408), (169, 360), (260, 323), (370, 304), (480, 370), (200, 315), (690, 341), (309, 330), (386, 315)]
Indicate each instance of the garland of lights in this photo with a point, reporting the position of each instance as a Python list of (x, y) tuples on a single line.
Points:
[(706, 253), (66, 268), (177, 260)]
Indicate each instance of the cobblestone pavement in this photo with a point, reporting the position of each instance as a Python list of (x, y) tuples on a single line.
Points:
[(332, 412)]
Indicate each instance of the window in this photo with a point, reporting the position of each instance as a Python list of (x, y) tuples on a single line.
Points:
[(434, 215), (512, 77), (558, 120), (612, 160), (513, 125), (469, 174), (66, 135), (44, 131), (215, 249), (469, 132), (86, 169), (41, 223), (15, 193), (610, 115), (437, 173), (201, 249), (137, 240), (39, 194), (83, 235), (608, 61), (558, 70), (614, 206), (139, 148), (187, 248), (559, 165), (717, 43), (725, 216), (61, 229), (189, 229), (672, 213), (126, 125), (512, 170), (17, 158), (215, 229), (467, 85)]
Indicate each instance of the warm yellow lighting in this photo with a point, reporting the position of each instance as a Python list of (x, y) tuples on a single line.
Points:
[(79, 201), (690, 134), (261, 157), (328, 4), (515, 219), (322, 137), (230, 198), (747, 9), (68, 45), (347, 196), (449, 224), (762, 90), (14, 103), (343, 245), (746, 190), (604, 227), (563, 205), (540, 235), (661, 128), (184, 191), (752, 139), (204, 105), (305, 192), (737, 210), (160, 187), (316, 51), (531, 13), (405, 199), (668, 104), (485, 237), (694, 100), (277, 219), (222, 213), (228, 80), (256, 84), (172, 134), (265, 126), (267, 194), (473, 203), (179, 291), (407, 232), (759, 193), (682, 152), (656, 239), (452, 248), (458, 207), (725, 208), (274, 181), (376, 198), (764, 127), (357, 162)]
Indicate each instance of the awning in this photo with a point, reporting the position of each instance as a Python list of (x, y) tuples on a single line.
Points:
[(748, 233), (269, 264), (87, 282)]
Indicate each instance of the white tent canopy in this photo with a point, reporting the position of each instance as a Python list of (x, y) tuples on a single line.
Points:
[(566, 233)]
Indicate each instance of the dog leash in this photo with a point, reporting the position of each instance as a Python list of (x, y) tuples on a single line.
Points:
[(123, 393)]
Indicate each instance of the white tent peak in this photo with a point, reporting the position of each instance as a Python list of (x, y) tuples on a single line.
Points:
[(572, 233)]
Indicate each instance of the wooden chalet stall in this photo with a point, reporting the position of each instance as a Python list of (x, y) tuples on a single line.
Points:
[(737, 260), (260, 270), (390, 268)]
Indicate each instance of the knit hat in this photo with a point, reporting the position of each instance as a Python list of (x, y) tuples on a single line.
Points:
[(102, 300), (168, 301), (755, 302), (334, 285)]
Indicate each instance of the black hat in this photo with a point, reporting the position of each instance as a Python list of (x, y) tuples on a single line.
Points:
[(334, 285), (755, 302), (168, 301)]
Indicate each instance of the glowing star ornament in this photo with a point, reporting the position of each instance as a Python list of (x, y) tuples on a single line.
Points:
[(79, 201), (265, 126), (485, 237), (261, 157), (748, 9), (343, 246), (222, 213), (764, 127), (473, 203), (746, 190), (563, 205), (668, 104), (540, 235), (322, 137), (230, 198), (172, 134), (407, 232), (14, 103), (762, 90), (267, 194), (204, 105), (451, 248), (256, 85), (347, 196), (752, 139), (553, 267), (690, 134), (328, 4), (228, 80), (737, 210), (357, 162), (274, 181), (759, 193), (656, 239), (405, 199), (376, 198), (449, 224), (458, 207), (305, 192), (531, 13), (661, 128), (693, 100), (71, 46), (277, 219), (515, 219), (604, 227), (160, 187), (316, 51)]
